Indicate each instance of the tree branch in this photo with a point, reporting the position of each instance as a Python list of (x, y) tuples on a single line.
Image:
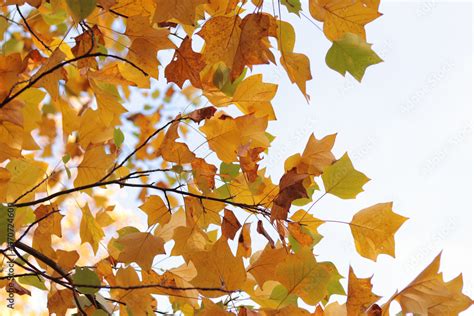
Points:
[(60, 65), (48, 261)]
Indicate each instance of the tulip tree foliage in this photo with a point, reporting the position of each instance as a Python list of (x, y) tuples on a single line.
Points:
[(111, 204)]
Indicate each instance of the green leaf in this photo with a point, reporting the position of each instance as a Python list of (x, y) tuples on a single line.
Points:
[(296, 246), (280, 294), (33, 280), (228, 171), (12, 46), (53, 16), (81, 9), (293, 6), (66, 158), (342, 180), (118, 137), (85, 276), (351, 54), (7, 215)]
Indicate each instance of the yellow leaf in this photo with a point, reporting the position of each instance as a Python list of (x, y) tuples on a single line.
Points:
[(108, 105), (218, 268), (244, 248), (373, 229), (342, 16), (253, 96), (174, 151), (182, 11), (92, 129), (70, 119), (189, 240), (306, 219), (10, 68), (303, 276), (317, 155), (4, 179), (428, 294), (94, 166), (202, 211), (156, 210), (286, 37), (298, 68), (137, 301), (302, 237), (226, 134), (146, 41), (342, 180), (359, 295), (262, 190), (263, 264), (50, 81), (133, 7), (335, 309), (25, 174), (239, 43), (50, 220), (89, 230), (209, 308), (166, 231), (140, 248)]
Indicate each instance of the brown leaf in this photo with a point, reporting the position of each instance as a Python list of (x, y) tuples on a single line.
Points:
[(261, 230), (248, 158), (230, 224), (18, 289), (291, 188), (202, 114), (204, 174), (186, 65)]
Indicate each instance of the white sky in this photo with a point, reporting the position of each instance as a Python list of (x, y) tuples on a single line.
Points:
[(407, 126)]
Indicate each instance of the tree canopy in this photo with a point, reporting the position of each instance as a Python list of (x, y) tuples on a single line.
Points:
[(115, 201)]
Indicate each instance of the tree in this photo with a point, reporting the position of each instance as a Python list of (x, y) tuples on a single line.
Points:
[(66, 108)]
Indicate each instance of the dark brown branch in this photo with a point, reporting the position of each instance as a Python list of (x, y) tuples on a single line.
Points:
[(252, 208), (36, 222), (18, 275), (138, 148), (31, 30), (160, 286), (60, 65), (114, 12), (48, 261)]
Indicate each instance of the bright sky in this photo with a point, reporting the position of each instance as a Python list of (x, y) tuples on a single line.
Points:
[(407, 126)]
